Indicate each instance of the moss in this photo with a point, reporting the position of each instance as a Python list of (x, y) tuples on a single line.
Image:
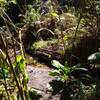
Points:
[(43, 44)]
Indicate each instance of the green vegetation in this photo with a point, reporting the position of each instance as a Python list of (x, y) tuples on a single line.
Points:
[(63, 34), (64, 72)]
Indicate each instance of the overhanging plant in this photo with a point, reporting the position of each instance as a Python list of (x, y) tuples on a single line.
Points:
[(63, 72), (79, 88)]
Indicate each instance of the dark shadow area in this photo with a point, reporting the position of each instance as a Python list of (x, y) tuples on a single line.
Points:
[(57, 86)]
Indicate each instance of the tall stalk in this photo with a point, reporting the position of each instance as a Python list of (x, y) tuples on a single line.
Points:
[(6, 51), (23, 90), (11, 67), (75, 34), (23, 57)]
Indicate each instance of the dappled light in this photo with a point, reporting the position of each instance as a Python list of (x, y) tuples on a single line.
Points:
[(49, 50)]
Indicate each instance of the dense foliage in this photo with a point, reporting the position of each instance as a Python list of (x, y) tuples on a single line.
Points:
[(60, 33)]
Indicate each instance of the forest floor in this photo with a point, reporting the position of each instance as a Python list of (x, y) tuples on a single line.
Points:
[(39, 80)]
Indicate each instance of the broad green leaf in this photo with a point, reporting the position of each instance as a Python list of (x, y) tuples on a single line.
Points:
[(66, 70), (83, 69), (54, 73), (94, 56), (56, 64), (78, 67), (18, 58), (20, 63)]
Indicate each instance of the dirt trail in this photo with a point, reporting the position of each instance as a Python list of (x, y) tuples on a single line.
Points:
[(39, 79)]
